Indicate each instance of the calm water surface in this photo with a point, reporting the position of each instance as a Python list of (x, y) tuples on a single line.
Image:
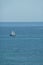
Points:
[(24, 49)]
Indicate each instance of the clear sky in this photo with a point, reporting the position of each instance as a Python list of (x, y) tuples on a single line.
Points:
[(21, 10)]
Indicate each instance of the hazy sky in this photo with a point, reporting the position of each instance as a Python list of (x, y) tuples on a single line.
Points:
[(21, 10)]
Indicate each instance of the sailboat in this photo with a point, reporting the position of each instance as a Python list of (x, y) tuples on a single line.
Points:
[(12, 33)]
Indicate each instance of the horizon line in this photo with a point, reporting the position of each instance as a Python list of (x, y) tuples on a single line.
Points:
[(20, 21)]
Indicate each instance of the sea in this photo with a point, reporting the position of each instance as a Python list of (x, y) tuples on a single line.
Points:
[(26, 48)]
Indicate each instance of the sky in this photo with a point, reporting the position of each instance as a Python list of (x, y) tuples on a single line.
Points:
[(21, 10)]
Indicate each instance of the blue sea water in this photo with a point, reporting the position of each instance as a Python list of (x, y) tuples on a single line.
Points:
[(24, 49)]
